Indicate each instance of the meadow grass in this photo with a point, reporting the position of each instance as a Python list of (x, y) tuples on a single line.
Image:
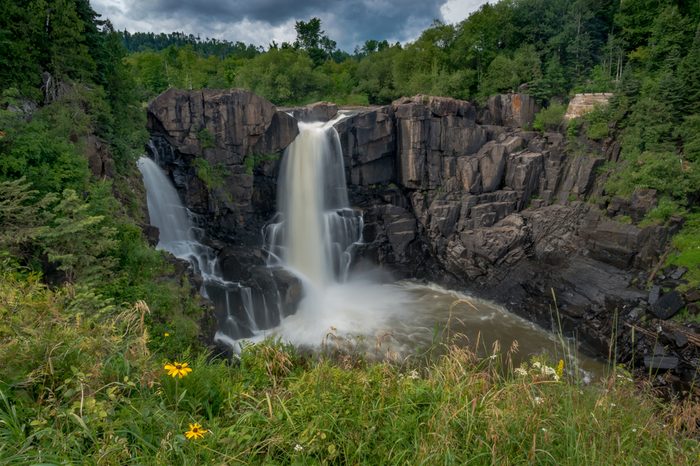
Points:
[(91, 388)]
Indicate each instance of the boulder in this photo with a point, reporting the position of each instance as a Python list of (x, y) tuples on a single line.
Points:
[(668, 305)]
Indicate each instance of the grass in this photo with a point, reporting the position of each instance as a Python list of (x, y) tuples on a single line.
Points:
[(686, 251), (79, 387)]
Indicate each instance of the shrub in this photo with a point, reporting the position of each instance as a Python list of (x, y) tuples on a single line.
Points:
[(550, 118)]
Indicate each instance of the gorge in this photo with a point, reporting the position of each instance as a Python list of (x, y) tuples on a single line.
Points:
[(450, 193)]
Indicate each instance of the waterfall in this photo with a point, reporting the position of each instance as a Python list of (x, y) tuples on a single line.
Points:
[(178, 236), (313, 235), (315, 229)]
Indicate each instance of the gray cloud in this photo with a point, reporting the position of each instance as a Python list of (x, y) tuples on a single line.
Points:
[(349, 22)]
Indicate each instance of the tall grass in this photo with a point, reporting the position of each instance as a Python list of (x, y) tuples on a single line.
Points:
[(91, 389)]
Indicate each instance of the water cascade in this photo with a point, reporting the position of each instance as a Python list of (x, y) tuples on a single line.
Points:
[(315, 229), (180, 237)]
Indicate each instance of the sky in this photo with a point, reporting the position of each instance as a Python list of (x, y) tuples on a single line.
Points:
[(259, 22)]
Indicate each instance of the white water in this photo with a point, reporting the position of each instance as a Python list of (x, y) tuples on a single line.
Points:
[(315, 228), (178, 236)]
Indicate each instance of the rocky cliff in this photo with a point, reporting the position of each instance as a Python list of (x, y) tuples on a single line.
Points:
[(449, 192)]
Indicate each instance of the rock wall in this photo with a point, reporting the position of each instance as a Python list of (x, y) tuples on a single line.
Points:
[(222, 150)]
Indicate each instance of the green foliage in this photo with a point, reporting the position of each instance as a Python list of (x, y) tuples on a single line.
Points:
[(78, 241), (213, 176), (75, 385), (663, 171), (665, 209), (254, 160), (686, 252), (550, 118), (206, 139)]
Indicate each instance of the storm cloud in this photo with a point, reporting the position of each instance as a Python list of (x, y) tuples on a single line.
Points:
[(348, 22)]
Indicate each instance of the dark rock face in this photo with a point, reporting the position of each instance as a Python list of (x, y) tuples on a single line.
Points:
[(668, 305), (219, 148), (319, 111), (449, 193), (368, 140)]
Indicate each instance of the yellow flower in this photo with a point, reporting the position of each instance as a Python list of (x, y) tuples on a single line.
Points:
[(166, 334), (195, 431), (178, 369), (560, 368)]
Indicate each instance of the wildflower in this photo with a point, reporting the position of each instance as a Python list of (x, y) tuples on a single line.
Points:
[(634, 430), (493, 357), (560, 368), (298, 447), (612, 405), (166, 334), (544, 430), (538, 400), (520, 372), (536, 365), (413, 375), (178, 369), (195, 432)]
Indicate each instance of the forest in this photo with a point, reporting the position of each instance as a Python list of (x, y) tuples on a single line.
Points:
[(90, 310)]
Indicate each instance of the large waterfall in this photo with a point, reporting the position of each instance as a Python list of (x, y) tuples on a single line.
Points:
[(315, 229)]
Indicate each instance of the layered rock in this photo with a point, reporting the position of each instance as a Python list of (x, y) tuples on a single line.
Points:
[(220, 147)]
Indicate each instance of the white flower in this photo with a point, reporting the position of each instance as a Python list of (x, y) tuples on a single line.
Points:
[(413, 375), (546, 370), (538, 400), (634, 430), (298, 447), (520, 372), (544, 430), (612, 405), (536, 365), (493, 357)]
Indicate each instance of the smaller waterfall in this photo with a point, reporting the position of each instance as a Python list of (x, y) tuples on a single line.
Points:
[(178, 236)]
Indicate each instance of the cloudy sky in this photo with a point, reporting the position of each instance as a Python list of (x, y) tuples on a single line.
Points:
[(348, 22)]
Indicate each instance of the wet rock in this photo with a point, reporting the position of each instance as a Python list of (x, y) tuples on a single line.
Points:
[(668, 305), (289, 288), (654, 294), (151, 233), (319, 111), (661, 362)]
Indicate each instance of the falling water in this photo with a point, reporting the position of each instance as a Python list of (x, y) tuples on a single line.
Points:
[(315, 228), (178, 236)]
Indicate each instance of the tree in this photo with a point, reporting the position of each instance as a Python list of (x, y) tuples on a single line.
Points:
[(313, 40)]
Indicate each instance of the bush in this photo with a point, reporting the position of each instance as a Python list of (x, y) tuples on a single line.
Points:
[(550, 118)]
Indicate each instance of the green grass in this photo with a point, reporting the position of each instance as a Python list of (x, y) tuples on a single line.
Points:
[(686, 250), (77, 386)]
